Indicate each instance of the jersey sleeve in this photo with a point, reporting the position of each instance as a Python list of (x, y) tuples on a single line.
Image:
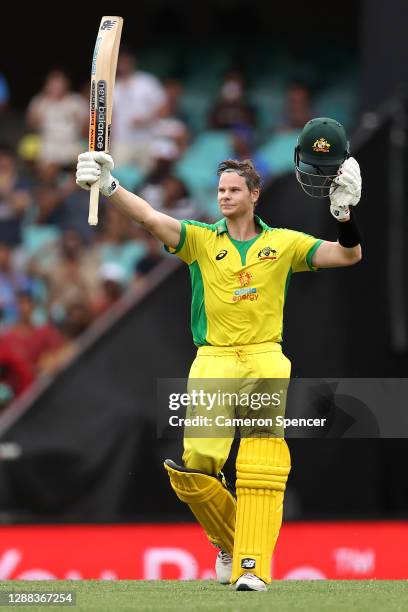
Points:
[(189, 246), (303, 248)]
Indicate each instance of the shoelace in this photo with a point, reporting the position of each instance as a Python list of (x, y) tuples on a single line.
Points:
[(225, 557)]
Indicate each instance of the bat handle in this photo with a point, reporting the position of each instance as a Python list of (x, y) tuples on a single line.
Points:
[(93, 204)]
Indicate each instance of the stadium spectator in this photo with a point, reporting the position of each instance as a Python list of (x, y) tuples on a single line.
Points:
[(176, 198), (171, 123), (232, 109), (16, 375), (57, 204), (243, 140), (120, 243), (166, 191), (112, 286), (139, 96), (297, 109), (61, 117), (174, 95), (12, 281), (75, 208), (29, 340), (77, 320), (70, 273), (14, 197), (152, 258), (165, 153), (49, 192)]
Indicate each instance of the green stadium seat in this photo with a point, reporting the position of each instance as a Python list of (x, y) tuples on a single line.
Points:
[(129, 176), (159, 62), (337, 103), (198, 167), (196, 105), (278, 151), (126, 255), (268, 104), (37, 237)]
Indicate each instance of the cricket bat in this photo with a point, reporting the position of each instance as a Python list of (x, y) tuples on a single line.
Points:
[(103, 72)]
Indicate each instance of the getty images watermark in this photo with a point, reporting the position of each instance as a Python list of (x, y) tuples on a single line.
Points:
[(221, 402), (299, 408), (223, 407)]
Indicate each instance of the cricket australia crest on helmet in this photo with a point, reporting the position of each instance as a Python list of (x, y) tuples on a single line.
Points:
[(321, 148)]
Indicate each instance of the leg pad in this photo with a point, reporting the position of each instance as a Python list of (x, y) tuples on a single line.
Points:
[(210, 501), (263, 466)]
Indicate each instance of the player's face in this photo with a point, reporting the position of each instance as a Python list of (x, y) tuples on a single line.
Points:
[(234, 197)]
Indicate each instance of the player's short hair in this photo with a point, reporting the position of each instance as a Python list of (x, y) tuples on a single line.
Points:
[(244, 168)]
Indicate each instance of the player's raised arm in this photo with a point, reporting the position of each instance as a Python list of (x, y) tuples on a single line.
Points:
[(345, 192), (92, 167), (324, 169)]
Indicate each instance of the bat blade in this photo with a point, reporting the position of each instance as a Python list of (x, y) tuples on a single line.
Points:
[(103, 72)]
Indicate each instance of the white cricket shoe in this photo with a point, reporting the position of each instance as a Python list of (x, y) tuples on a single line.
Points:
[(223, 567), (250, 582)]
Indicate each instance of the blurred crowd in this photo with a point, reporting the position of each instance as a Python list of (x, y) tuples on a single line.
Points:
[(58, 274)]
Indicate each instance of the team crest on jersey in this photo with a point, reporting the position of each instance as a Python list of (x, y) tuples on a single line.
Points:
[(267, 253), (244, 278), (321, 146)]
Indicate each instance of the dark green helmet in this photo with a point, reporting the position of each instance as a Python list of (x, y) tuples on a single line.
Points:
[(321, 148)]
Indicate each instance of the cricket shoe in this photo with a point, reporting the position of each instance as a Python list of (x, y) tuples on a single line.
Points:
[(223, 567), (250, 582)]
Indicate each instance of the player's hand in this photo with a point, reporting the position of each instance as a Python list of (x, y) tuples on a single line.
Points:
[(346, 189), (92, 166)]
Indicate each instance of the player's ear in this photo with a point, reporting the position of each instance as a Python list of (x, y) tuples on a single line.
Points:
[(254, 196)]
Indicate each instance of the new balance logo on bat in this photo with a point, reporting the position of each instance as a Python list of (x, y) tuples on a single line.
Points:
[(101, 109), (108, 24)]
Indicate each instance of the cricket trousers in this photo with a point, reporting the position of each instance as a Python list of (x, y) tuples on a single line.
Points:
[(247, 364), (247, 527)]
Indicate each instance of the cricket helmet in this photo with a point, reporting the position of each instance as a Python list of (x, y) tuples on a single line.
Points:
[(321, 148)]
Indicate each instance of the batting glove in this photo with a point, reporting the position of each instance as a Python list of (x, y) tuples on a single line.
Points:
[(346, 189), (92, 166)]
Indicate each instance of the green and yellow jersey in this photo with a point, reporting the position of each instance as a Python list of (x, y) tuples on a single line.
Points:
[(239, 287)]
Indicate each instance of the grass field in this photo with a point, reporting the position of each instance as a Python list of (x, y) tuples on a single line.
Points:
[(209, 596)]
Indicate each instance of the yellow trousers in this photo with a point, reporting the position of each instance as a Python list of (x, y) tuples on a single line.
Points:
[(248, 527), (253, 361)]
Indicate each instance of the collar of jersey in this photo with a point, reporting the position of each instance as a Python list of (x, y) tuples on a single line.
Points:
[(222, 225)]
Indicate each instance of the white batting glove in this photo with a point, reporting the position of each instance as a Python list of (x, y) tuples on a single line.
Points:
[(346, 189), (92, 166)]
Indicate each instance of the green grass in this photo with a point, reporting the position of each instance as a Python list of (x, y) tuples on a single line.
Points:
[(209, 596)]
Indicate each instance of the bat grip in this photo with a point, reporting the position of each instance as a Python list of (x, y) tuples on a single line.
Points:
[(93, 204)]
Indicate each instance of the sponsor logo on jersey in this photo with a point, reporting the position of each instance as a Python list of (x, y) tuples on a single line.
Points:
[(221, 255), (267, 253), (247, 293), (244, 278), (321, 146)]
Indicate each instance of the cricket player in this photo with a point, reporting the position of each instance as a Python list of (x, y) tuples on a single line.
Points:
[(240, 270)]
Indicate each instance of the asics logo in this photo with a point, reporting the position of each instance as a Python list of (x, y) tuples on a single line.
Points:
[(221, 255)]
